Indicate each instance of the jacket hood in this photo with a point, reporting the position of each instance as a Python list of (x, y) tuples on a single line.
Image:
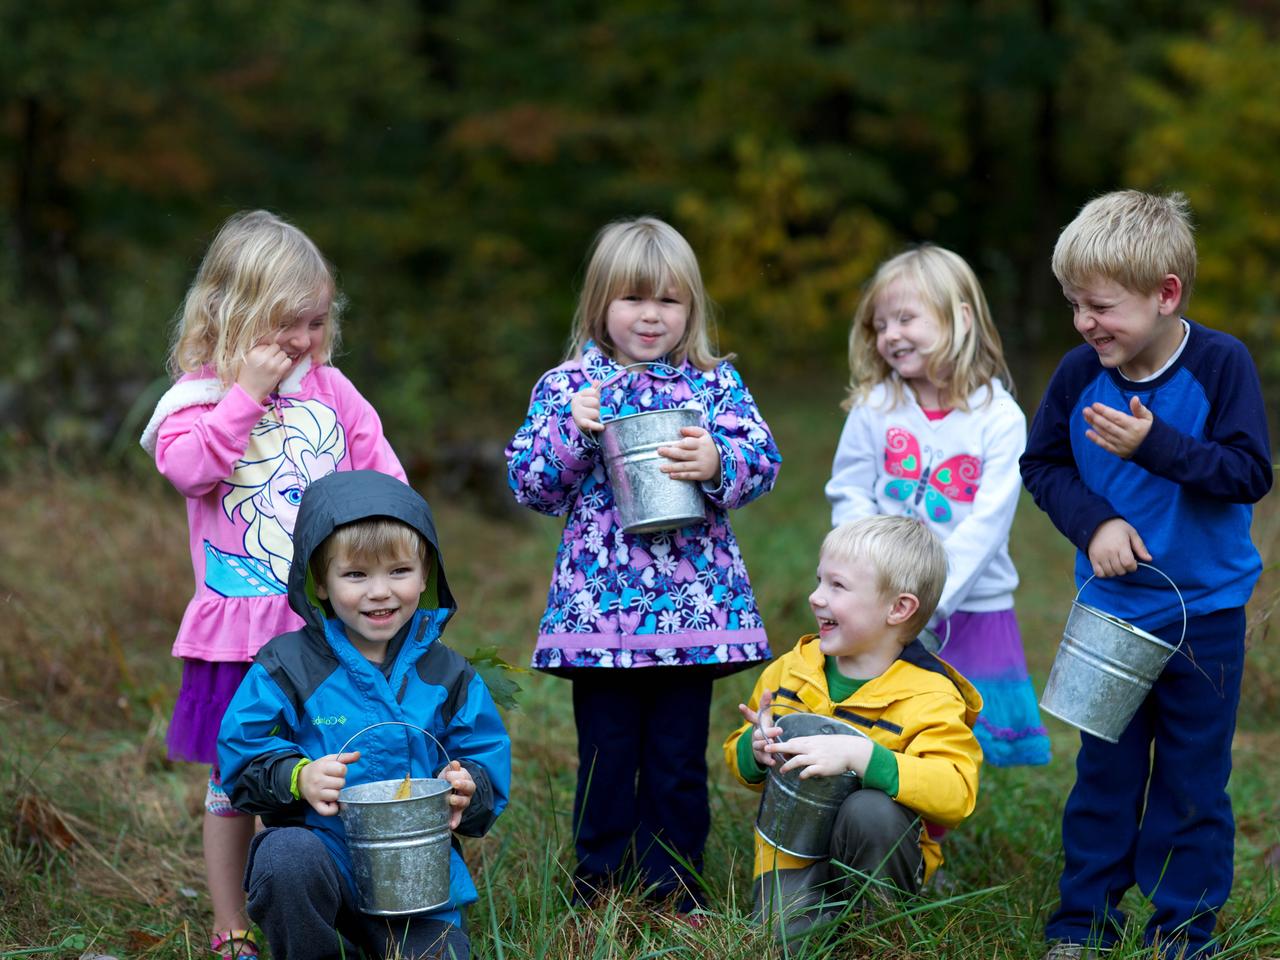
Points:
[(937, 672), (342, 498)]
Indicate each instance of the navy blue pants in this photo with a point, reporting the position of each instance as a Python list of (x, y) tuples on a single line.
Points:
[(641, 801), (1153, 809), (307, 910)]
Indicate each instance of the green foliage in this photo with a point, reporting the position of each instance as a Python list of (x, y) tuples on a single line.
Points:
[(494, 671)]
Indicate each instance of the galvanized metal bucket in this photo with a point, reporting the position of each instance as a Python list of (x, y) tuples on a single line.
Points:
[(400, 849), (1104, 668), (645, 498), (797, 816)]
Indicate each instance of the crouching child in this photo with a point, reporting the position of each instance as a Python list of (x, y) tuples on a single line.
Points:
[(879, 580), (369, 582)]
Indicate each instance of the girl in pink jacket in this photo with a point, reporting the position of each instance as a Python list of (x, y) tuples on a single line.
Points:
[(256, 414)]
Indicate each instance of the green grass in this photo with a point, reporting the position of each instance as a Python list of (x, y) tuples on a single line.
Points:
[(100, 833)]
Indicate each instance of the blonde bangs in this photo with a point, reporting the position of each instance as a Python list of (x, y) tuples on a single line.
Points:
[(964, 358), (376, 540), (258, 274), (1132, 238), (644, 256)]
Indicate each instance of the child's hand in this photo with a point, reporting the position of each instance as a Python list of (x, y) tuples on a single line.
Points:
[(763, 729), (464, 788), (320, 780), (585, 407), (263, 369), (1116, 431), (825, 755), (1115, 548), (693, 458)]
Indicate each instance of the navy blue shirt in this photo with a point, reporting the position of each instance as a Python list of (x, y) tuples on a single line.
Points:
[(1188, 489)]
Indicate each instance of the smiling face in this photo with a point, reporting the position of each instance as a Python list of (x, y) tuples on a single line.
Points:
[(373, 597), (906, 331), (644, 327), (303, 335), (851, 610), (1131, 332)]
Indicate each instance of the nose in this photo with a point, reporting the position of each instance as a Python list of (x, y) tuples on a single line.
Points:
[(378, 587), (1083, 320), (815, 598)]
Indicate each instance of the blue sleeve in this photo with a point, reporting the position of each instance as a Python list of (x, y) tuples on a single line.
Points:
[(1049, 468), (477, 738), (255, 752), (1233, 461)]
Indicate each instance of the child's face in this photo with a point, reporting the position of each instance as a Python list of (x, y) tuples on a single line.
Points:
[(906, 330), (1133, 332), (373, 597), (303, 335), (644, 328), (851, 611)]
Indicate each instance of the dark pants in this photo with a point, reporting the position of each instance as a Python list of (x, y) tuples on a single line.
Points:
[(641, 800), (306, 909), (875, 849), (1153, 808)]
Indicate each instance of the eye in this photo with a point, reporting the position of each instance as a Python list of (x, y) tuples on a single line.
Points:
[(353, 575), (292, 495), (318, 323), (630, 298)]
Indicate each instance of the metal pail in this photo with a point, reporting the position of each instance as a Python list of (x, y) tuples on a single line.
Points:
[(1104, 668), (646, 498), (797, 816), (399, 848)]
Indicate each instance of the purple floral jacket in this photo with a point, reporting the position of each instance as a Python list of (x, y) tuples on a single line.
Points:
[(673, 598)]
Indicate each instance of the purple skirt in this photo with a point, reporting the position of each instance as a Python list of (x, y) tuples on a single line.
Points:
[(206, 690), (987, 649)]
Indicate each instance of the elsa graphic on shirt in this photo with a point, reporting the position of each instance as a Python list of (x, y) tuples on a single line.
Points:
[(289, 449)]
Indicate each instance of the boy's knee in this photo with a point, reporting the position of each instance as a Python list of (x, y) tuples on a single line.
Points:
[(877, 836), (287, 864)]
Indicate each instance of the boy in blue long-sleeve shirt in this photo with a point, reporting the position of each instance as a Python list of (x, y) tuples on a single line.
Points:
[(1151, 446)]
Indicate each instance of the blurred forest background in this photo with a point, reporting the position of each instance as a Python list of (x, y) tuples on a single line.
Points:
[(454, 159)]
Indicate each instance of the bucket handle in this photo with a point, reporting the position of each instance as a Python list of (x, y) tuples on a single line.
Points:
[(398, 723), (699, 392), (1171, 583)]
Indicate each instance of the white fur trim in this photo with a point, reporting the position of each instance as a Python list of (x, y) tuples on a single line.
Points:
[(293, 382), (188, 393)]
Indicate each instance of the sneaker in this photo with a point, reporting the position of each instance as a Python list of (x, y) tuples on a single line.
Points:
[(1062, 950)]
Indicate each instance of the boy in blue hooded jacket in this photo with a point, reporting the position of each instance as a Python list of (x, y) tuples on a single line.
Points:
[(368, 581)]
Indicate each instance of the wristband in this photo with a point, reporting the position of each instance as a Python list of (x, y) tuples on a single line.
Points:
[(293, 778)]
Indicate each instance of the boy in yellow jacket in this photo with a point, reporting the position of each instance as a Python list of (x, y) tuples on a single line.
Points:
[(879, 580)]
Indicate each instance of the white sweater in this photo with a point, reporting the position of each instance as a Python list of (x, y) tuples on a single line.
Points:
[(958, 474)]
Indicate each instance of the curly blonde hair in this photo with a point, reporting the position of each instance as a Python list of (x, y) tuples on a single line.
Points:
[(644, 256), (967, 355), (259, 273)]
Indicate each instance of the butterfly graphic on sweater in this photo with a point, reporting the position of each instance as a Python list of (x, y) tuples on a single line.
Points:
[(915, 479)]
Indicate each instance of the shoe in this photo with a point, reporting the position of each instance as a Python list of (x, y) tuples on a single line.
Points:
[(234, 945), (1062, 950)]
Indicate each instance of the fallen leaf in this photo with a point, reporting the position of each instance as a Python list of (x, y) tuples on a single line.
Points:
[(42, 821)]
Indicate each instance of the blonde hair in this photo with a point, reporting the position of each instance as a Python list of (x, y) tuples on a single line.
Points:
[(644, 256), (907, 556), (965, 357), (369, 540), (258, 273), (1131, 237)]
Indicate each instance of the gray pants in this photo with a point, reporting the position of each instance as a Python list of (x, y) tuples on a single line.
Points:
[(305, 908), (875, 849)]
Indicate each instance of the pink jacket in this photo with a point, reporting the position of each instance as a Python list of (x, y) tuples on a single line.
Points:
[(243, 467)]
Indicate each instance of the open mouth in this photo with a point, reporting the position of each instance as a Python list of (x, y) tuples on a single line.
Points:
[(380, 616), (825, 625)]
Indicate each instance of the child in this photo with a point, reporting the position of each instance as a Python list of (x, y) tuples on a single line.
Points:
[(367, 550), (878, 581), (642, 623), (934, 434), (255, 416), (1150, 445)]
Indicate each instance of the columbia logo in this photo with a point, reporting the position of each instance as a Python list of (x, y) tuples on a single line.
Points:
[(329, 721)]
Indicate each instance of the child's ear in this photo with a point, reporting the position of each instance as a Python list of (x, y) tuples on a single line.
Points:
[(321, 591), (903, 609), (1169, 295), (966, 318)]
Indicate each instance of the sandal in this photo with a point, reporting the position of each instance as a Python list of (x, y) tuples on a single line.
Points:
[(234, 945)]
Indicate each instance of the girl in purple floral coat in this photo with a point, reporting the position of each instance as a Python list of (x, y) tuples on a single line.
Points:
[(642, 623)]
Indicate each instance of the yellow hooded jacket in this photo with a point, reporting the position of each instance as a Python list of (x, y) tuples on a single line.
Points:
[(920, 708)]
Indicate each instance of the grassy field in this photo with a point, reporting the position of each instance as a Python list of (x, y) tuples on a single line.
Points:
[(100, 838)]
